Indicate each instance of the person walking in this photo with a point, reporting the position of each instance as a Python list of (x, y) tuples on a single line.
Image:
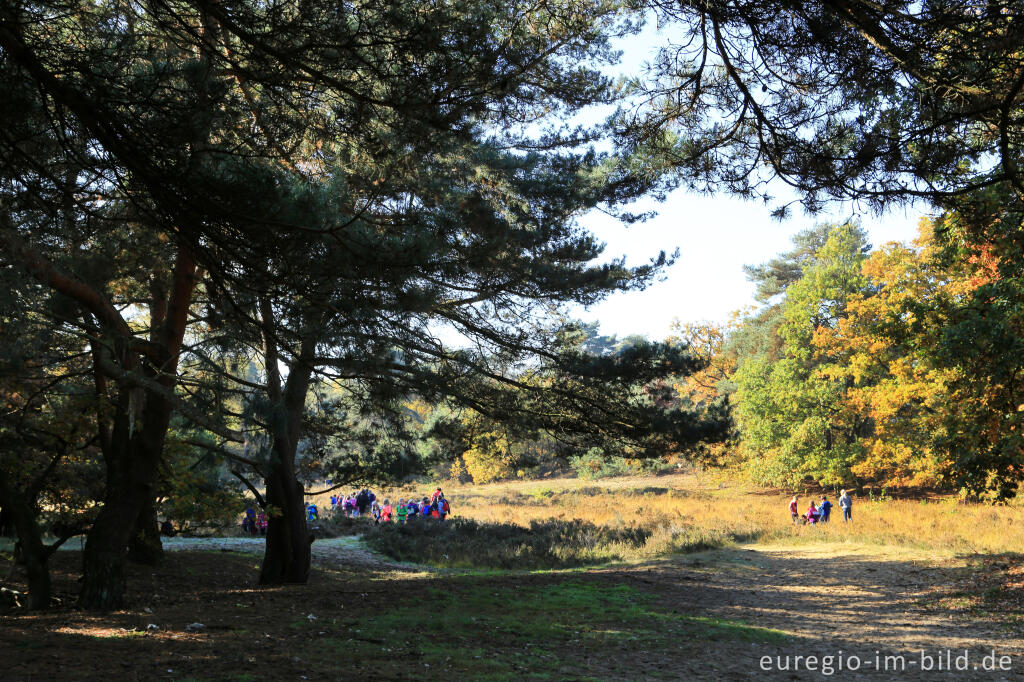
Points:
[(363, 502), (846, 504), (794, 510)]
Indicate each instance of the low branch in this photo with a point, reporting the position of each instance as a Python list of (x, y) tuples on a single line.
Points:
[(224, 453), (256, 493), (168, 394), (45, 272)]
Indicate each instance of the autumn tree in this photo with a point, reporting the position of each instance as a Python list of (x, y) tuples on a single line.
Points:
[(791, 411), (885, 351), (900, 372)]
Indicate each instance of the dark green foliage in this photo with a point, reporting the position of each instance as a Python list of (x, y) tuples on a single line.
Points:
[(595, 463), (879, 102), (51, 475), (759, 334), (982, 341)]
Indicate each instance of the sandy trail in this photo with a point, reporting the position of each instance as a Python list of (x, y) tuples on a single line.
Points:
[(857, 605), (342, 553)]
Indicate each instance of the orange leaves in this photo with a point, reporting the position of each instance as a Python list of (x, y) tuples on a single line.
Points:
[(985, 265), (707, 341)]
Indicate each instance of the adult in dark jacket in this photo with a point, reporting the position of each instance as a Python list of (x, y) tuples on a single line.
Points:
[(363, 502)]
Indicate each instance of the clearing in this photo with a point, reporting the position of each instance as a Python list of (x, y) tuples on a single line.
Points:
[(711, 615)]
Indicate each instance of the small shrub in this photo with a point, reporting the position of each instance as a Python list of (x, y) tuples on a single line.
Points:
[(336, 524), (596, 464)]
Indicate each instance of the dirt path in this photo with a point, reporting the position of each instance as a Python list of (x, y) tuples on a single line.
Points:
[(887, 612), (344, 553), (865, 607)]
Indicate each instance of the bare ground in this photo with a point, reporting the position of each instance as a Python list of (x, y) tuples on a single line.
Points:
[(874, 607), (889, 612)]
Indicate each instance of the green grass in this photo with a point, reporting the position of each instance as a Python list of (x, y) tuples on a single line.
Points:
[(553, 627)]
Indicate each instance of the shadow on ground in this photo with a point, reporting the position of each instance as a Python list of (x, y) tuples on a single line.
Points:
[(715, 615)]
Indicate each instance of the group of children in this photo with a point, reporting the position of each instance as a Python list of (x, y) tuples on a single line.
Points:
[(822, 512), (254, 523), (435, 507), (359, 503), (365, 503)]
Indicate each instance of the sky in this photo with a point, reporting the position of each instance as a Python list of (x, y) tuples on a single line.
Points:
[(716, 236)]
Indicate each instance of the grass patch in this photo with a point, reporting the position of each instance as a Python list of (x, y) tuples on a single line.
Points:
[(484, 628)]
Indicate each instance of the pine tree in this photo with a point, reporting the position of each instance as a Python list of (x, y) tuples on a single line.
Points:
[(343, 181)]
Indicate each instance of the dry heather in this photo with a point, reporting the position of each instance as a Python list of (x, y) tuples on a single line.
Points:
[(688, 511)]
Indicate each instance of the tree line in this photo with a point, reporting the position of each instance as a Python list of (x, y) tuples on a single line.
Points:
[(894, 367)]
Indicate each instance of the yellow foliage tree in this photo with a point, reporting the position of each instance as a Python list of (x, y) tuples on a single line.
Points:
[(489, 458), (883, 352)]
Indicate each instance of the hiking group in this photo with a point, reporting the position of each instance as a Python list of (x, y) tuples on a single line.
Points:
[(822, 512), (365, 503), (362, 503)]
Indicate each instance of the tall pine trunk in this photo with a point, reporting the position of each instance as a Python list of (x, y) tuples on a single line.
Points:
[(287, 555)]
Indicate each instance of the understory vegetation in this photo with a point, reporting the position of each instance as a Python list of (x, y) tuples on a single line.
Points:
[(464, 542)]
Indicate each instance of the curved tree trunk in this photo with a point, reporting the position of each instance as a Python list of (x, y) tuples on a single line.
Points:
[(287, 555), (134, 447), (33, 552)]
